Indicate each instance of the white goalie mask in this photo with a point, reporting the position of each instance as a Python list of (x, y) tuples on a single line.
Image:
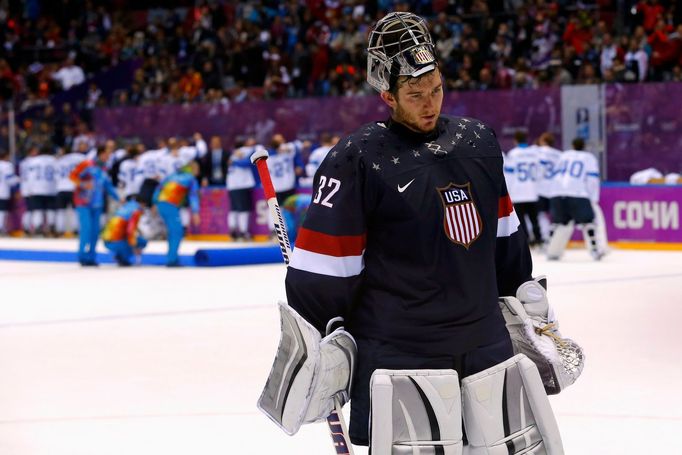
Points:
[(399, 45)]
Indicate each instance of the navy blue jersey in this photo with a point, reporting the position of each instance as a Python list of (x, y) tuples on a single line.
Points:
[(411, 238)]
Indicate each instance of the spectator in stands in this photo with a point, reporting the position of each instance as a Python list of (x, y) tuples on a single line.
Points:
[(636, 62), (69, 74)]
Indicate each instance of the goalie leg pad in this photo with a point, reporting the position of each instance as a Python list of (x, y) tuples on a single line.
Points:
[(415, 412), (560, 237), (506, 411), (308, 374)]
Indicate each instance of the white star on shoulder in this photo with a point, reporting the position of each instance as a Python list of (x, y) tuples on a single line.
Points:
[(459, 136), (416, 153), (376, 167), (478, 136), (334, 153), (395, 160), (480, 125), (348, 144), (462, 125)]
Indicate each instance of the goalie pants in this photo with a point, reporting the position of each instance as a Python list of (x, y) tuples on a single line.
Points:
[(375, 354)]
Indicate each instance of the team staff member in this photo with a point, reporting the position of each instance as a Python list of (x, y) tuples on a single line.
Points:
[(169, 198), (411, 235), (91, 185), (120, 233)]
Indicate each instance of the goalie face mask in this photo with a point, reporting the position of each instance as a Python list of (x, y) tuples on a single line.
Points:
[(399, 45)]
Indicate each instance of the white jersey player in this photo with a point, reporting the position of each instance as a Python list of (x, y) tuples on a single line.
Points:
[(66, 220), (282, 166), (130, 174), (8, 179), (43, 181), (149, 164), (26, 190), (240, 184), (575, 186), (319, 154), (522, 172), (549, 157), (576, 175)]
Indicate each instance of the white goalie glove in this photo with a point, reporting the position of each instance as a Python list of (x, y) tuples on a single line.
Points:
[(535, 332)]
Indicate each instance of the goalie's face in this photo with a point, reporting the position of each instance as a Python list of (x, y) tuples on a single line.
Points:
[(417, 102)]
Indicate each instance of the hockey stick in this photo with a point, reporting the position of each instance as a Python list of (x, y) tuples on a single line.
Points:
[(335, 420)]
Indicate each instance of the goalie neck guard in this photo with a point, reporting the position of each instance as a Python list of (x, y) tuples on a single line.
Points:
[(399, 45)]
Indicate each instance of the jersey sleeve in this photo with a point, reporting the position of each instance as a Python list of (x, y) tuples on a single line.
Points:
[(592, 178), (325, 273), (512, 255)]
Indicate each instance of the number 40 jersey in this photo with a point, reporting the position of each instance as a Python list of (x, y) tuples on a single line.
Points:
[(576, 175)]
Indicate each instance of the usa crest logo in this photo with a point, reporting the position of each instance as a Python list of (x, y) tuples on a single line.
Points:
[(422, 55), (462, 222)]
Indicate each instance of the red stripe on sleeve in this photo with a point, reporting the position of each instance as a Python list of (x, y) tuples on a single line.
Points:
[(331, 245), (505, 207)]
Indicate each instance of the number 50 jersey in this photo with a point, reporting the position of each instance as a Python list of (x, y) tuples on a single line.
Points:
[(411, 238)]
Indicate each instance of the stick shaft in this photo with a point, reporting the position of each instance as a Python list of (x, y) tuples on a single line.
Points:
[(275, 211), (335, 420)]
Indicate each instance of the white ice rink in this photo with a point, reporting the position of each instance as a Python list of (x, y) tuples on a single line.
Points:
[(151, 361)]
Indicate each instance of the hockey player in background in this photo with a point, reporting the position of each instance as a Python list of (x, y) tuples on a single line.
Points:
[(66, 220), (284, 166), (43, 177), (575, 185), (411, 238), (327, 141), (240, 184), (26, 189), (522, 171), (8, 179), (130, 175), (169, 197), (92, 184), (120, 235), (549, 157)]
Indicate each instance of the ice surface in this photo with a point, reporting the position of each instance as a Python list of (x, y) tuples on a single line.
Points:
[(147, 361)]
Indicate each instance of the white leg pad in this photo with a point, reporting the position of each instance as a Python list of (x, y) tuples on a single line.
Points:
[(415, 412), (506, 411), (600, 223), (560, 237)]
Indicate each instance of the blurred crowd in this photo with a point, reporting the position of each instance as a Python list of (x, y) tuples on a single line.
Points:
[(220, 51), (217, 49)]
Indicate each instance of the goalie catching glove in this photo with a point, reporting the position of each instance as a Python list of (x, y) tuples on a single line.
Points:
[(309, 372), (535, 332)]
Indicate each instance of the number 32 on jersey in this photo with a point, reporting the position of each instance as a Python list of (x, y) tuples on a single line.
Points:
[(325, 190)]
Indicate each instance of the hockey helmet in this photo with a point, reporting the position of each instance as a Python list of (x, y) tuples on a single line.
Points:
[(399, 45)]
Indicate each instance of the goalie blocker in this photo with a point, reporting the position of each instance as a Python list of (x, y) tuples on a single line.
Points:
[(309, 373)]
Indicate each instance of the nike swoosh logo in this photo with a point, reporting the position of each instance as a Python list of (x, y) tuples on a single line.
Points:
[(403, 188)]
